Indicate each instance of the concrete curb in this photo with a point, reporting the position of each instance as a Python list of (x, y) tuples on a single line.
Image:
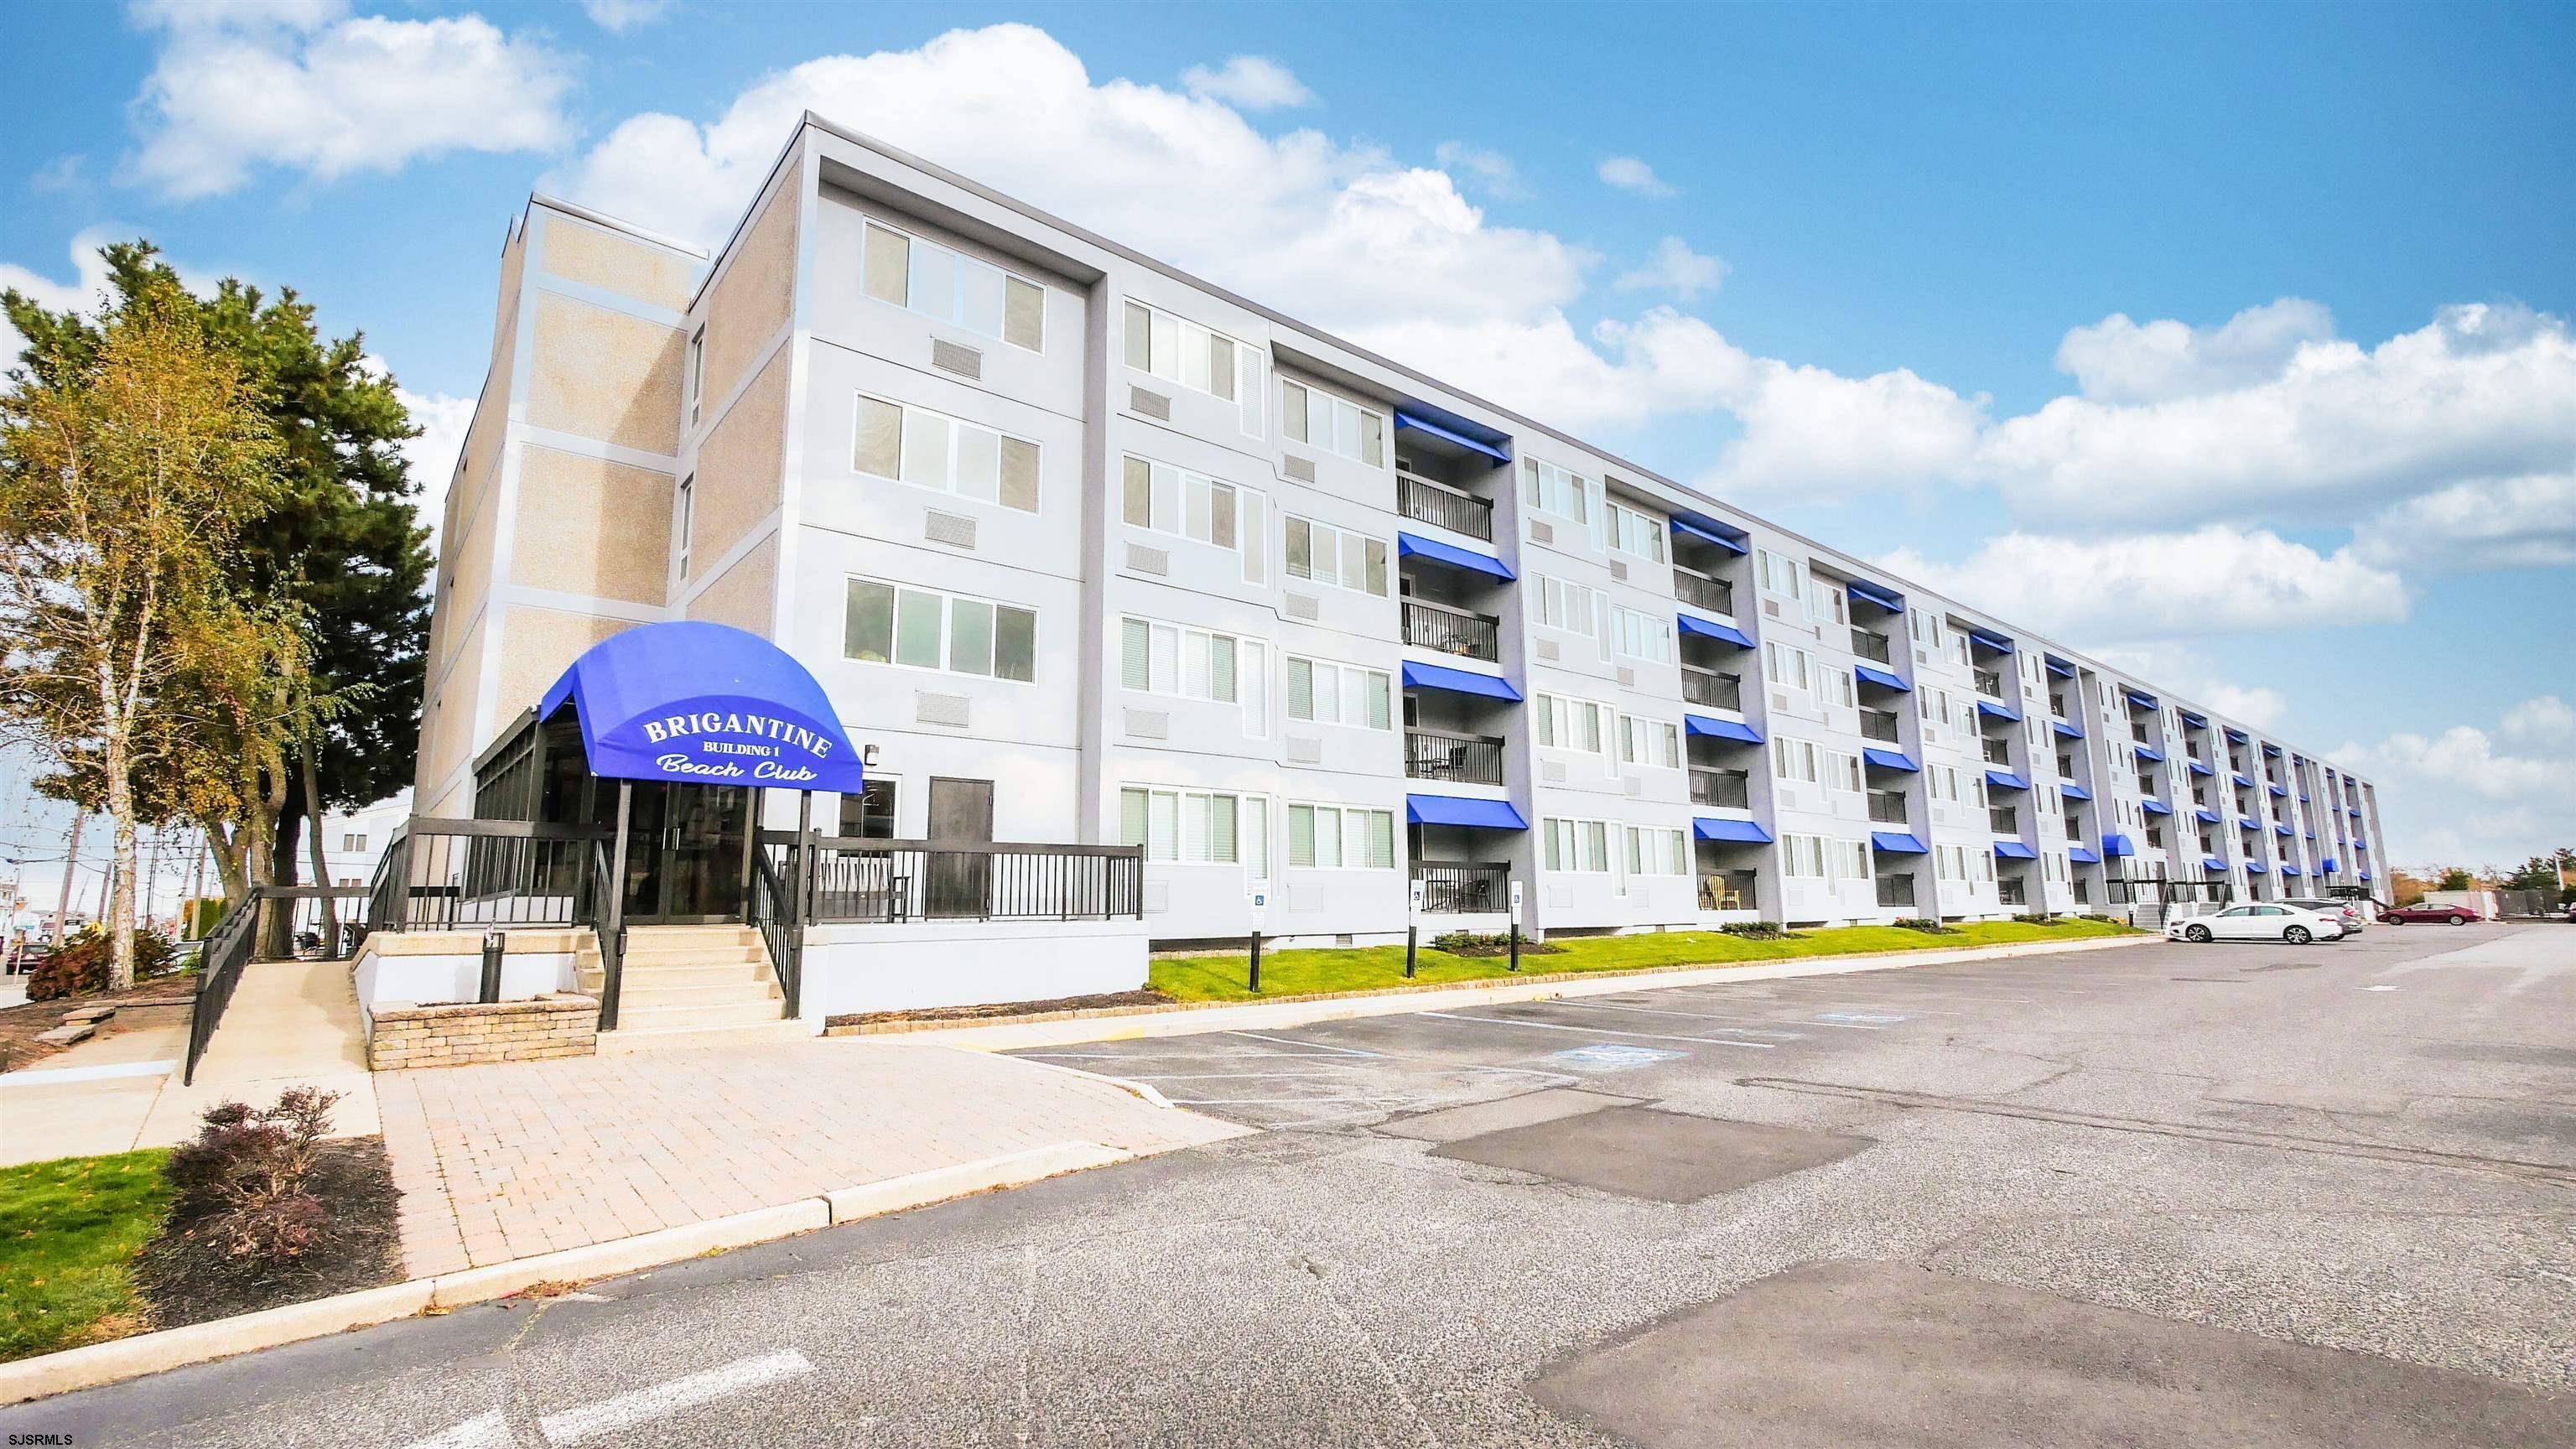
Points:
[(1446, 996), (150, 1353)]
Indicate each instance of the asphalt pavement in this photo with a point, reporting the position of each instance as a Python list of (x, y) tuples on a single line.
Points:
[(2229, 1194)]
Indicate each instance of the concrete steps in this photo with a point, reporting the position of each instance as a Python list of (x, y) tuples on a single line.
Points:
[(690, 987)]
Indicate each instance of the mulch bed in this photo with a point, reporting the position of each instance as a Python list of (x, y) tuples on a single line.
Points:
[(1105, 1001), (1497, 953), (21, 1025), (186, 1279)]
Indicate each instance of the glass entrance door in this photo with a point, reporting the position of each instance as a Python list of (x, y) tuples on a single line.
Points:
[(685, 851)]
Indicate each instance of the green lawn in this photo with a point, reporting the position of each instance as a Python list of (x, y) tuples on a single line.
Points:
[(1378, 968), (68, 1228)]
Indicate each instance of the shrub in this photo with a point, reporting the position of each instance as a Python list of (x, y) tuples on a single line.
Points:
[(1469, 943), (1927, 925), (1755, 930), (2036, 918), (79, 967)]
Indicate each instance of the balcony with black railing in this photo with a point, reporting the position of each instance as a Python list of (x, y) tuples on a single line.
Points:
[(1702, 592), (1896, 890), (2005, 819), (1443, 506), (1998, 751), (1464, 888), (2010, 891), (1459, 759), (1727, 890), (1879, 725), (1445, 630), (1710, 688), (1887, 807), (1722, 789), (1872, 645), (2074, 828), (1990, 683)]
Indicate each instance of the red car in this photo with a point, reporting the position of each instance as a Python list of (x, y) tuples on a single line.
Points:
[(2404, 915)]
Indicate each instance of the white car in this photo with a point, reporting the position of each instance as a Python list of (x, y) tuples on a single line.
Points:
[(2261, 922)]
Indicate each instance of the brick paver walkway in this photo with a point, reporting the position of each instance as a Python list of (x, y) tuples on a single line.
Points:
[(509, 1160)]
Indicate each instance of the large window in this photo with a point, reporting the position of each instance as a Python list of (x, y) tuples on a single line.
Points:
[(1333, 424), (938, 282), (1174, 500), (1571, 724), (1634, 532), (1640, 635), (1652, 742), (925, 629), (1575, 845), (1328, 555), (1182, 352), (685, 526), (1785, 665), (1327, 693), (1654, 851), (697, 368), (1563, 605), (933, 450), (1157, 658), (1780, 574), (1821, 857), (1812, 763), (1334, 837), (1198, 827), (1551, 489)]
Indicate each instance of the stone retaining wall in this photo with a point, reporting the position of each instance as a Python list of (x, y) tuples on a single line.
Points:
[(467, 1033)]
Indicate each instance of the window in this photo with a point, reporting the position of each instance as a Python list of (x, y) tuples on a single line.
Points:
[(1781, 574), (1197, 827), (1634, 532), (869, 814), (1825, 603), (1652, 742), (685, 504), (924, 629), (938, 282), (1784, 664), (1804, 856), (1572, 724), (1328, 693), (1927, 628), (1562, 605), (1189, 663), (1332, 837), (1332, 424), (1653, 851), (1183, 352), (1328, 555), (1640, 635), (1551, 489), (1844, 689), (1796, 760), (933, 450), (1956, 645), (1575, 845), (697, 373), (1933, 705), (1172, 500), (353, 842)]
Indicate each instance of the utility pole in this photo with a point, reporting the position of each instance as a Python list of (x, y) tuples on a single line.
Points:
[(71, 863)]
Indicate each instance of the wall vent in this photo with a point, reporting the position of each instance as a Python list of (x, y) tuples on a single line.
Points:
[(1149, 724), (1143, 560), (1541, 532), (1343, 939), (1779, 701), (955, 530), (1301, 469), (1547, 649), (1618, 570), (1627, 677), (1303, 750), (1552, 771), (940, 709), (1151, 404), (1636, 784), (1771, 607), (1922, 656), (1305, 606), (964, 361)]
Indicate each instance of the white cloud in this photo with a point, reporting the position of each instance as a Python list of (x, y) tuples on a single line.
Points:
[(619, 16), (1675, 268), (1630, 174), (1493, 172), (2545, 723), (2458, 799), (1248, 82), (83, 293), (1809, 431), (2117, 360), (2176, 668), (296, 84), (65, 173), (2157, 586), (2527, 522), (443, 421)]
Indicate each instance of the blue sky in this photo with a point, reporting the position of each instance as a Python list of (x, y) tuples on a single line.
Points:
[(1898, 237)]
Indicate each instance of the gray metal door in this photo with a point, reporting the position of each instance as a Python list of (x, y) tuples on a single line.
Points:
[(961, 811)]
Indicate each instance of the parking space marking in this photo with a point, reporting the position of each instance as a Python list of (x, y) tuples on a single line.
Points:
[(625, 1411), (1317, 1045), (1696, 1015), (1762, 1046)]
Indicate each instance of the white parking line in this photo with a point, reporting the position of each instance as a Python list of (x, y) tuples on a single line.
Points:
[(1763, 1046), (625, 1411), (484, 1431), (1310, 1045), (1710, 1015)]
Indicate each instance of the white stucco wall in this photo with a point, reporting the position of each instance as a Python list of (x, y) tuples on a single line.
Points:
[(851, 969)]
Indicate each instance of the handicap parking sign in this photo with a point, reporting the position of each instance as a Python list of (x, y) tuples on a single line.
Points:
[(1614, 1057)]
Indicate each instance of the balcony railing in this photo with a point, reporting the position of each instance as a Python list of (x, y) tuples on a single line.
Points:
[(2006, 819), (1730, 789), (1879, 725), (2146, 784), (1886, 807), (1451, 889), (2155, 838), (1896, 890), (2066, 767), (2057, 706), (1870, 645), (1998, 752), (1700, 591), (855, 879), (2009, 890), (1730, 890), (1463, 759), (1447, 507), (2074, 831), (1708, 687), (1452, 631), (2140, 733), (1990, 683)]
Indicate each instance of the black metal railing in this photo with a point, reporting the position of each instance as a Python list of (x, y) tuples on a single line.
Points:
[(775, 910), (1727, 890), (311, 923), (219, 968), (1990, 683), (1727, 789), (1896, 890), (1445, 506), (463, 875), (2011, 892), (1452, 631), (1453, 889), (2005, 819), (1998, 752), (1699, 590), (1869, 644), (1464, 759), (1879, 725), (1886, 807), (857, 880), (2074, 828), (1708, 687), (604, 908)]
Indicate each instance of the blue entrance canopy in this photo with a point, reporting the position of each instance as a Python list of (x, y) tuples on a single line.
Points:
[(707, 703), (1708, 827), (1881, 678), (2073, 791), (1706, 630), (1406, 418), (2326, 866), (1869, 593), (2083, 855), (2015, 850), (2211, 862), (1998, 711), (1897, 842), (1458, 681), (1408, 545), (1720, 729), (2064, 730), (2114, 843), (1463, 810), (1890, 760), (2150, 754), (1709, 530), (2006, 780)]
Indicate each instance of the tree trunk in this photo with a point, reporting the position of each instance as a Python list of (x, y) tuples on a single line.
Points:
[(321, 863), (262, 855), (119, 916)]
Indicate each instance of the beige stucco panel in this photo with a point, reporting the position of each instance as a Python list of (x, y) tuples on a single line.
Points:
[(590, 526), (741, 464), (580, 252), (539, 645), (751, 302), (746, 596), (605, 375), (447, 731)]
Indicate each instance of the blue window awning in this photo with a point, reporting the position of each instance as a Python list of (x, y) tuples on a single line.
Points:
[(2281, 792), (2196, 721), (1998, 711), (2365, 875), (2241, 782), (1897, 842), (1458, 681), (1463, 810), (1890, 760), (2197, 768), (1992, 640), (2256, 867), (1879, 595), (1881, 678), (2059, 667), (2073, 791), (1720, 729), (2015, 850), (1709, 530), (2303, 799), (1709, 827), (2083, 855), (2235, 736), (2142, 699), (2211, 862), (1410, 545), (2272, 750), (2248, 822), (2150, 754), (2283, 830), (2155, 807), (2207, 817), (1447, 433), (2006, 780), (2064, 730), (2114, 843), (705, 703), (2289, 869), (1703, 629)]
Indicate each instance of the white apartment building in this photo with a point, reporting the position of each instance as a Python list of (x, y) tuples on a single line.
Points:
[(1085, 551)]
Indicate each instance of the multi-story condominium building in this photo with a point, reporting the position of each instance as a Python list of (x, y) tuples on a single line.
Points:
[(1084, 550)]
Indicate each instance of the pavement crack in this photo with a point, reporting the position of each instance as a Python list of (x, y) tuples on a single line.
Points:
[(1357, 1331)]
